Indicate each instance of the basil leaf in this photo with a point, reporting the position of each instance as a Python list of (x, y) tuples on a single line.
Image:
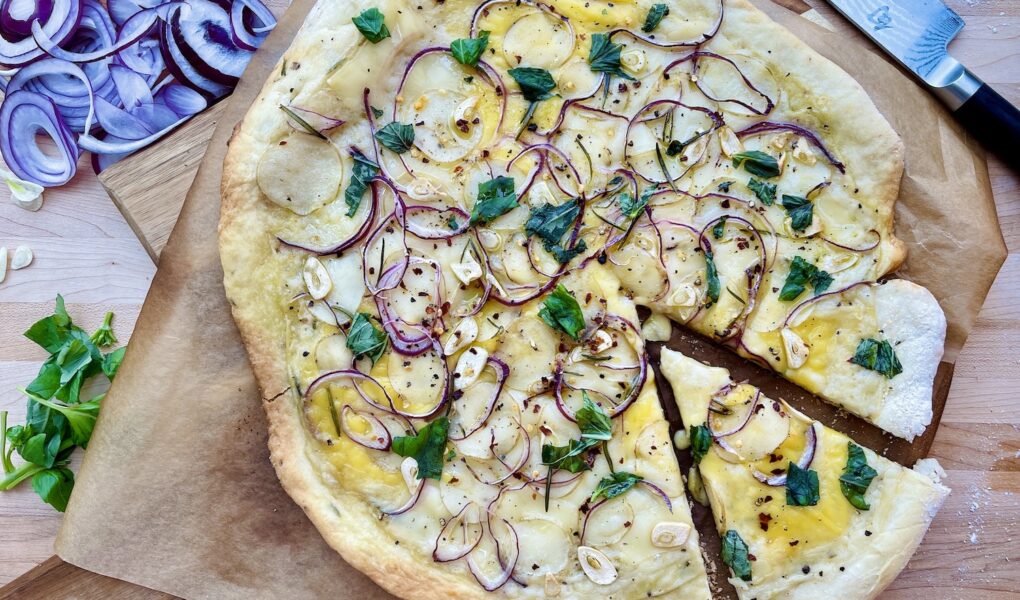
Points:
[(377, 113), (397, 137), (562, 312), (362, 173), (536, 84), (496, 197), (735, 555), (801, 486), (52, 332), (856, 477), (550, 223), (365, 339), (604, 56), (614, 485), (724, 187), (701, 442), (469, 51), (632, 207), (565, 255), (877, 356), (569, 457), (801, 211), (593, 422), (47, 382), (713, 279), (655, 15), (111, 362), (757, 163), (428, 448), (54, 487), (371, 23), (719, 229), (766, 192), (801, 274)]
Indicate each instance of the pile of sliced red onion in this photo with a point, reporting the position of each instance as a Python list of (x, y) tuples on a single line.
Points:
[(78, 75)]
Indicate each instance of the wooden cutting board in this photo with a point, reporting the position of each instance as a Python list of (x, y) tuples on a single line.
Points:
[(149, 189)]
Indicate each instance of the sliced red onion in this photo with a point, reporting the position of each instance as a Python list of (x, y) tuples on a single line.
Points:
[(410, 339), (659, 492), (61, 21), (338, 247), (436, 221), (133, 30), (650, 38), (861, 250), (377, 439), (23, 116), (639, 117), (203, 33), (318, 122), (739, 426), (409, 469), (754, 278), (64, 83), (511, 469), (460, 535), (183, 70), (502, 371), (183, 101), (508, 563), (808, 455), (790, 318), (770, 126), (354, 375), (699, 55), (386, 277), (250, 21)]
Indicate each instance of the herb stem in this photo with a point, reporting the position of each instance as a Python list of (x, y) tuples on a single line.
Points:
[(526, 120), (548, 487), (665, 171), (609, 459), (19, 474), (8, 465)]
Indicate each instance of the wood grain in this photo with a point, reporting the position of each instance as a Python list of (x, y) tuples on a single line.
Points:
[(87, 251)]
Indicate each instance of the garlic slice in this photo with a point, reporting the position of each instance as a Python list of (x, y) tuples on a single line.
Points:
[(600, 342), (670, 534), (409, 471), (316, 278), (3, 263), (729, 142), (22, 258), (596, 565), (469, 367), (795, 348), (633, 60), (467, 271), (802, 151), (466, 332)]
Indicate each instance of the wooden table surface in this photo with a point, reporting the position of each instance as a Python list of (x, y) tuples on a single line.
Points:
[(85, 250)]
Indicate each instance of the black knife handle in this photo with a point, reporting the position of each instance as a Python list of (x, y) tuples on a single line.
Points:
[(995, 122)]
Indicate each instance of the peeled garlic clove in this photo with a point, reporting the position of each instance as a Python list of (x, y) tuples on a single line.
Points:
[(467, 271), (600, 342), (796, 349), (670, 534), (684, 295), (596, 565), (22, 258), (409, 471), (729, 142), (25, 194), (316, 278), (834, 263), (682, 439), (466, 332), (3, 263), (469, 367)]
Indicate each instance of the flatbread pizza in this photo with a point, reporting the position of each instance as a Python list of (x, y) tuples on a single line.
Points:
[(440, 218)]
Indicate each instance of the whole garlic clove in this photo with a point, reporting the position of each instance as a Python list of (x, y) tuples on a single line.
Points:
[(25, 194), (596, 565), (670, 534), (22, 258), (469, 367), (3, 263), (316, 278), (795, 348), (466, 332)]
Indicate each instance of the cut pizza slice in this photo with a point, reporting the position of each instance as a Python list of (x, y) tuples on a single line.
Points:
[(802, 510)]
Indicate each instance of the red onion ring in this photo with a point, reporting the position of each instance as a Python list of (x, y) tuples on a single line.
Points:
[(378, 439), (415, 493), (508, 565), (449, 552), (389, 278), (338, 247), (61, 21), (771, 126), (137, 27), (502, 372), (697, 55), (810, 444), (863, 250), (23, 116), (717, 122), (354, 375), (739, 426), (820, 297), (650, 39)]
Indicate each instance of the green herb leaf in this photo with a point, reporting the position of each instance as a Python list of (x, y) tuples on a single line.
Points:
[(536, 84), (614, 485), (655, 15), (111, 362), (735, 555), (757, 163), (724, 187), (428, 448), (632, 207), (801, 211), (801, 274), (365, 339), (713, 280), (766, 192), (877, 356), (701, 442), (362, 173), (801, 486), (371, 23), (856, 477), (377, 112), (569, 457), (496, 197), (719, 229), (52, 332), (565, 255), (593, 422), (550, 223), (397, 137), (469, 51), (104, 335), (561, 311), (54, 487), (604, 56)]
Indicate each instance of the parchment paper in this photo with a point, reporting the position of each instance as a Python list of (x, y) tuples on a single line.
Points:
[(176, 492)]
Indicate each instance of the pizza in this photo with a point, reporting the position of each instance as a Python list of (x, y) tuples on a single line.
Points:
[(802, 510), (439, 220)]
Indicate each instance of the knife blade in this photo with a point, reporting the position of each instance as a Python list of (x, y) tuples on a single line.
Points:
[(917, 34)]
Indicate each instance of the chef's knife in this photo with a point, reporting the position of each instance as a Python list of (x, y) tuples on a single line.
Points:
[(917, 33)]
